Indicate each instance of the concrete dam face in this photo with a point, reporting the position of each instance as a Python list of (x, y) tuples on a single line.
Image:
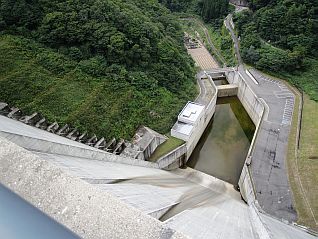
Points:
[(97, 194)]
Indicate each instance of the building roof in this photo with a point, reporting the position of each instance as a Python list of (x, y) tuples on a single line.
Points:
[(191, 112), (183, 128)]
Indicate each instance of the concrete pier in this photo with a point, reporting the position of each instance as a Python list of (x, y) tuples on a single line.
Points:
[(227, 90), (191, 130)]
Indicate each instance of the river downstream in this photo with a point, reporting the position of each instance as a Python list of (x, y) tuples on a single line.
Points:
[(223, 147)]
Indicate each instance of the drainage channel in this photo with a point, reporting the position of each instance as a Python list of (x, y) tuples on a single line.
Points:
[(223, 147), (220, 81)]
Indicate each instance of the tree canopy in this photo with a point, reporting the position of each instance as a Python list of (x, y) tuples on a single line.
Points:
[(280, 31), (133, 45), (208, 9)]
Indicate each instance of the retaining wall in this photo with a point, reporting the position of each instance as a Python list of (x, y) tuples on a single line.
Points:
[(41, 145), (179, 156), (199, 130), (249, 100), (255, 109), (173, 159), (227, 90)]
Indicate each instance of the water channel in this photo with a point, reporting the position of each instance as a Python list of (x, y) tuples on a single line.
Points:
[(223, 147), (220, 81)]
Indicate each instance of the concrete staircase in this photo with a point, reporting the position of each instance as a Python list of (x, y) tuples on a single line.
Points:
[(38, 121), (35, 139)]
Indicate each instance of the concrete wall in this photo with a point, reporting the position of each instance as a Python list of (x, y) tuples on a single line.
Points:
[(179, 135), (174, 157), (41, 145), (200, 128), (249, 100), (227, 90), (256, 109), (155, 142)]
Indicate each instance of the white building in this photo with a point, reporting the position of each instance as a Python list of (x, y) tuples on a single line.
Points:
[(191, 116)]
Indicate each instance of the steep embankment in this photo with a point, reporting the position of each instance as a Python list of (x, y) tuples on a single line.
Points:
[(105, 66)]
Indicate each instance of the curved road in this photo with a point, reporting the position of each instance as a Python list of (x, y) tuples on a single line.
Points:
[(269, 167), (227, 23)]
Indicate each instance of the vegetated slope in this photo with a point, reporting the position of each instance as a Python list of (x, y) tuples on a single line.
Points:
[(280, 36), (219, 36), (105, 66), (207, 9), (211, 14)]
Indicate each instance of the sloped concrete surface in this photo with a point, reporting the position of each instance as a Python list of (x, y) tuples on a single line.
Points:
[(35, 139), (101, 199), (280, 230), (83, 208)]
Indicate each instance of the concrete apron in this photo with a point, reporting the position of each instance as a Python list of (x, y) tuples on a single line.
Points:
[(81, 207)]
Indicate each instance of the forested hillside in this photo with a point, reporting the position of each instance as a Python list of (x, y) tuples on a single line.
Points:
[(108, 66), (207, 9), (281, 36)]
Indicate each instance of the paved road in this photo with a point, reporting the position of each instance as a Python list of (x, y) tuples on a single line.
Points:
[(227, 22), (269, 169)]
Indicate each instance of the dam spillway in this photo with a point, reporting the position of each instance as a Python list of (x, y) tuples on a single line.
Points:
[(95, 193), (223, 147)]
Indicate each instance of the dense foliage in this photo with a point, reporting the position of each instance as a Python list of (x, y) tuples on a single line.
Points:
[(180, 5), (207, 9), (213, 9), (108, 65), (278, 35)]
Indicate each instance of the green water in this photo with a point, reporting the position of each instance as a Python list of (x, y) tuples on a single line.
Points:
[(223, 147), (220, 81)]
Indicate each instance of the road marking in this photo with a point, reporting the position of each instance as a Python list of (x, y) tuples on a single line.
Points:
[(288, 111), (251, 76)]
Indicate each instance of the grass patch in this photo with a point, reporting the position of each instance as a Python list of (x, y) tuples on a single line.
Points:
[(305, 79), (304, 169), (171, 144), (307, 165), (222, 40)]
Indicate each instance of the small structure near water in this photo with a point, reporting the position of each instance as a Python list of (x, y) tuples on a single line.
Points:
[(144, 143), (191, 116)]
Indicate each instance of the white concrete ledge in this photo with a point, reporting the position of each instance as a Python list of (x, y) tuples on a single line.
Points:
[(251, 76)]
